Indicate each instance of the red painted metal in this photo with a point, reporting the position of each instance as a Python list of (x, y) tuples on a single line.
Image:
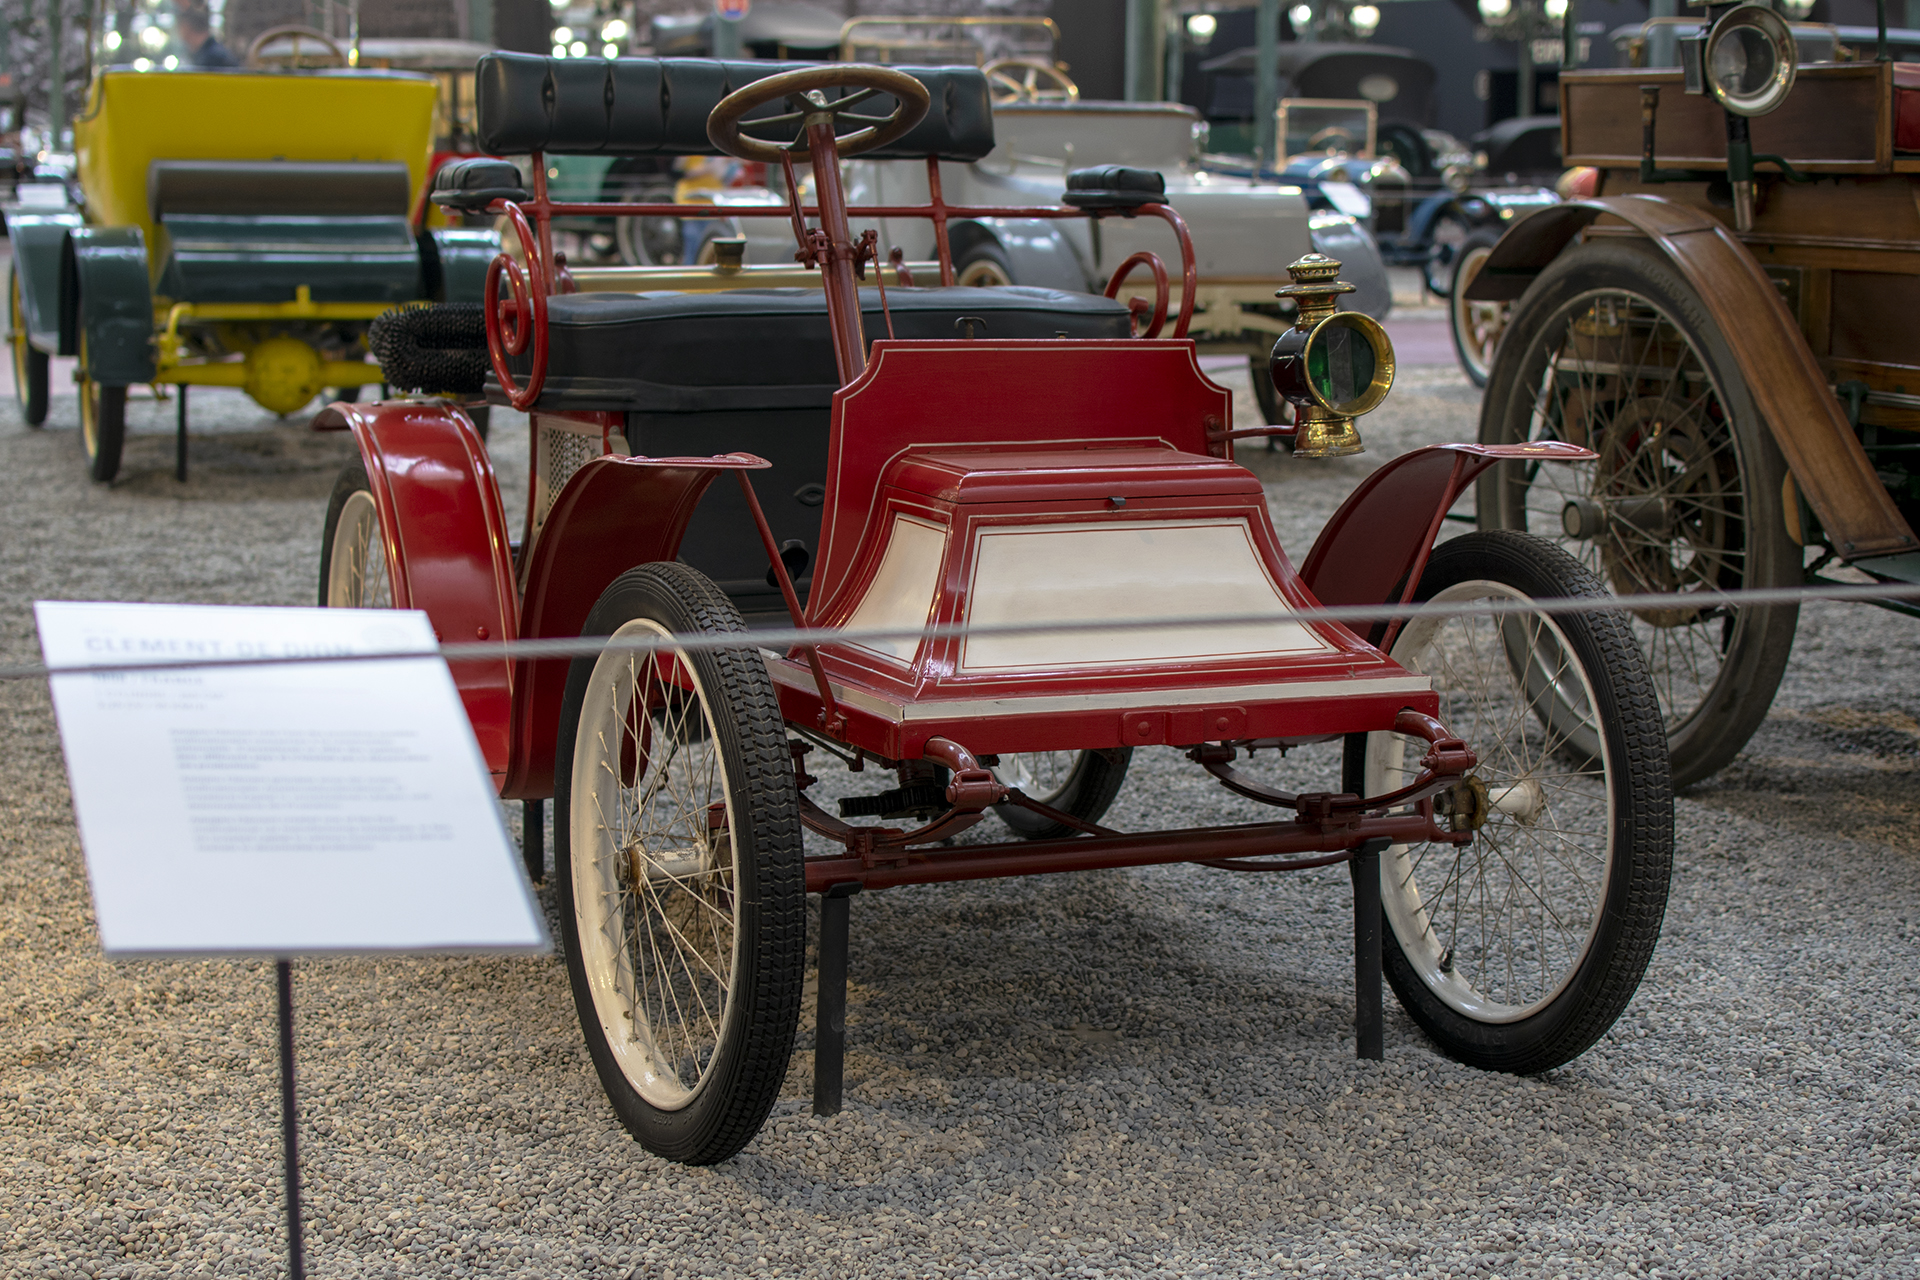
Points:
[(446, 543), (1374, 548), (892, 868), (613, 514), (1157, 313), (527, 288), (1070, 391), (832, 249)]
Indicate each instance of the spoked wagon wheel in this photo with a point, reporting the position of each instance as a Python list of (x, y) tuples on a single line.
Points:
[(30, 364), (1611, 349), (1517, 951), (677, 851), (1475, 326), (353, 555), (1080, 783)]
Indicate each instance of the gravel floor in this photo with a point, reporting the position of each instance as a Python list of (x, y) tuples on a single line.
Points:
[(1139, 1073)]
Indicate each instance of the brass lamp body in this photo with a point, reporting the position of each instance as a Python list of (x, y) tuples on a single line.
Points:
[(1318, 364)]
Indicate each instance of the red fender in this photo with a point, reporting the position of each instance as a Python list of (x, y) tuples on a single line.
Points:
[(446, 535), (613, 514), (1376, 546)]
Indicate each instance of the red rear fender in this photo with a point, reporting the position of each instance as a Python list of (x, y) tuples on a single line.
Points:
[(446, 537)]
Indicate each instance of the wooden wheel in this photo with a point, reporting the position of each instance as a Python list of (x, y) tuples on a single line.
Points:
[(1012, 80)]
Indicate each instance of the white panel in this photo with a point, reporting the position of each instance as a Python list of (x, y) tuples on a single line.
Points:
[(1144, 570), (902, 591)]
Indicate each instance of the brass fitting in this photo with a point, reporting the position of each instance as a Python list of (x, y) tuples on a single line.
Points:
[(1332, 366)]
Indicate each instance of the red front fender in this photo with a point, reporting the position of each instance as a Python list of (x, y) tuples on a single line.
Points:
[(1377, 544), (446, 536), (613, 514)]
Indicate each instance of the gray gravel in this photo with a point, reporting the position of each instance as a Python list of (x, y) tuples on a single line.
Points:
[(1130, 1073)]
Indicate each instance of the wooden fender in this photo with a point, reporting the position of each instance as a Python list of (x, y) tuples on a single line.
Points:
[(1375, 547), (446, 537), (1787, 383)]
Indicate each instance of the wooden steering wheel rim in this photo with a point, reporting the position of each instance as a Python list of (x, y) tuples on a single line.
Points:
[(297, 32), (999, 73), (723, 126)]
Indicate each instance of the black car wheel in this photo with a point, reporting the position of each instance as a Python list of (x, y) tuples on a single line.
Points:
[(1611, 348)]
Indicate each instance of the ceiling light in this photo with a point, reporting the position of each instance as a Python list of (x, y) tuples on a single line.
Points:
[(1201, 26)]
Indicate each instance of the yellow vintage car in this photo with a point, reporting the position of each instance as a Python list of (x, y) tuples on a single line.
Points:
[(240, 229)]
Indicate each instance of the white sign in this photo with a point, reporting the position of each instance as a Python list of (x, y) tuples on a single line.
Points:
[(279, 809), (1347, 198)]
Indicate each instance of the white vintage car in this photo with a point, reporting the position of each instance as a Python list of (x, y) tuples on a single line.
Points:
[(1244, 232)]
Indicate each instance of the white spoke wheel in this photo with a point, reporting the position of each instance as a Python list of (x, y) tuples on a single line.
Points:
[(1080, 783), (354, 570), (678, 856), (1517, 951), (1476, 326), (1611, 349)]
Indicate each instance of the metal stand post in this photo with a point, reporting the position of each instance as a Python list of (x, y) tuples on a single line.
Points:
[(830, 1031), (180, 437), (289, 1124), (533, 838), (1369, 1031)]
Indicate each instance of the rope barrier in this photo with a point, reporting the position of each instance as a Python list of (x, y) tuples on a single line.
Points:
[(788, 637)]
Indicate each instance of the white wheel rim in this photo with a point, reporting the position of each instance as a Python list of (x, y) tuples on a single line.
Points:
[(1042, 775), (1478, 323), (357, 575), (983, 273), (653, 877), (1499, 927)]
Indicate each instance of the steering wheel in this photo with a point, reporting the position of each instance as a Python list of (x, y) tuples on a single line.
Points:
[(727, 130), (1157, 313), (1332, 138), (256, 52), (1028, 80)]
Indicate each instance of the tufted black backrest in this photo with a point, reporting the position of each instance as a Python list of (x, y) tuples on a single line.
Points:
[(659, 106)]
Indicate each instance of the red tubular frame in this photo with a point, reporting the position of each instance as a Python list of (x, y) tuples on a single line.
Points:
[(889, 868)]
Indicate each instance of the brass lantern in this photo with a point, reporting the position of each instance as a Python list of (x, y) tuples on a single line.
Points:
[(1332, 366)]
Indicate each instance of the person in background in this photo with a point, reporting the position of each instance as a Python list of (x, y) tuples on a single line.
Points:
[(203, 50)]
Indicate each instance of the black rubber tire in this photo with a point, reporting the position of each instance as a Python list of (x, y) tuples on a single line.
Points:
[(347, 395), (987, 263), (352, 480), (1637, 844), (1443, 258), (1705, 728), (31, 366), (1086, 792), (729, 1102), (103, 433), (1466, 259), (481, 415)]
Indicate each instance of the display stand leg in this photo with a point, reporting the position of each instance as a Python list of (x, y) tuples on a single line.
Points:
[(830, 1029), (289, 1124), (1369, 1030), (533, 838), (180, 436)]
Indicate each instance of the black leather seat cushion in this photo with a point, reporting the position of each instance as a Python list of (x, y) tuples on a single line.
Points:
[(659, 106), (768, 348), (471, 183)]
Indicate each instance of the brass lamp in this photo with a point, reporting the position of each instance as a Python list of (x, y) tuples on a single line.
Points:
[(1332, 366)]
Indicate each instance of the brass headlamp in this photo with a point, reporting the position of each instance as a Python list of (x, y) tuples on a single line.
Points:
[(1332, 366)]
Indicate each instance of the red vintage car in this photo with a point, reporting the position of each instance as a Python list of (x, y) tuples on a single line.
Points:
[(1004, 542)]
